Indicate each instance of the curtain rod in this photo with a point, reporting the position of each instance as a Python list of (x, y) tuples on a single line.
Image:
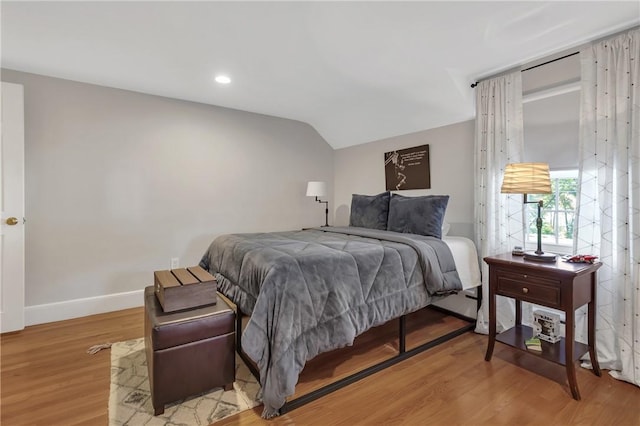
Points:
[(473, 85)]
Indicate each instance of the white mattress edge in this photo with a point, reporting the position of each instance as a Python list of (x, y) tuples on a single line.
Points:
[(465, 256)]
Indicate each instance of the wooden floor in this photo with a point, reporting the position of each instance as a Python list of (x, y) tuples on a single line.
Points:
[(47, 378)]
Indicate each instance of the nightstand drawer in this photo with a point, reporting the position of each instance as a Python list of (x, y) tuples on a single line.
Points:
[(530, 288)]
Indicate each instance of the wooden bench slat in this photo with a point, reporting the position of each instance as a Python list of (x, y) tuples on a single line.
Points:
[(166, 279), (184, 276), (200, 274)]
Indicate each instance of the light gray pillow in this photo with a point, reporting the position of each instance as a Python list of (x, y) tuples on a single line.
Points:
[(417, 215), (370, 211)]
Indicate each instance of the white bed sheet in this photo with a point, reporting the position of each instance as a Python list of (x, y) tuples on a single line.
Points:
[(466, 257)]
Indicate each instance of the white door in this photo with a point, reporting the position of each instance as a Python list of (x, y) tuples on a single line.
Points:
[(12, 208)]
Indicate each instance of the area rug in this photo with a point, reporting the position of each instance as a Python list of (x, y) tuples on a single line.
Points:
[(130, 397)]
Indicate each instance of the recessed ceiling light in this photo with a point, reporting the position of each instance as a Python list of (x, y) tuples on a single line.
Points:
[(223, 79)]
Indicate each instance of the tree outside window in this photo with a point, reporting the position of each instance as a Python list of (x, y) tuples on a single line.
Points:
[(558, 211)]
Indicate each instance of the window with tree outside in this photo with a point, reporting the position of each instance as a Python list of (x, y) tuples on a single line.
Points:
[(558, 211)]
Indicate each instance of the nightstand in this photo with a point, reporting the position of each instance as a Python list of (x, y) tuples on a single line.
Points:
[(559, 285)]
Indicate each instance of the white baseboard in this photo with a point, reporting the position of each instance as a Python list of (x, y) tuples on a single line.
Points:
[(40, 314)]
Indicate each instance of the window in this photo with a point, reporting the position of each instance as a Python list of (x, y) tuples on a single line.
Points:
[(558, 211), (551, 118)]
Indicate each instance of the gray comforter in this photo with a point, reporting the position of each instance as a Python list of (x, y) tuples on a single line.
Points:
[(313, 291)]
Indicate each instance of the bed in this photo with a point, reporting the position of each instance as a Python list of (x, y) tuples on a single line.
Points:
[(312, 291)]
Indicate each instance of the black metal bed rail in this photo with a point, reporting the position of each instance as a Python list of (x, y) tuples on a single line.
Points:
[(402, 355), (339, 384)]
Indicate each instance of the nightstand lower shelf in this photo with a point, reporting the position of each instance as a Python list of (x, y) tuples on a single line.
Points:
[(554, 352)]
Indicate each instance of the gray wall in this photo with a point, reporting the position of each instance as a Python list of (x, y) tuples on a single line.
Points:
[(360, 170), (118, 183)]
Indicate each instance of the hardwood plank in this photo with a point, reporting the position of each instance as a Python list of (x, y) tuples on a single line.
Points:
[(48, 378)]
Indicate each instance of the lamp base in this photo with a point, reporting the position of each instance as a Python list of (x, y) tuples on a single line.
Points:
[(543, 257)]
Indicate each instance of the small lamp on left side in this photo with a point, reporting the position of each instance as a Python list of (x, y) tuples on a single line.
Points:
[(319, 189)]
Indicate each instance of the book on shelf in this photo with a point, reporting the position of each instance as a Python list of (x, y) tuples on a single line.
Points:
[(533, 344)]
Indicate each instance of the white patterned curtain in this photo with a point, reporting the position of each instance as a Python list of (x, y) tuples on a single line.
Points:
[(608, 217), (499, 217)]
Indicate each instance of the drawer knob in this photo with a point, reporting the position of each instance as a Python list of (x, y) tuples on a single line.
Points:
[(525, 276), (525, 290)]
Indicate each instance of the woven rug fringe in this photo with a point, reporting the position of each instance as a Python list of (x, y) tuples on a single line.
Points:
[(97, 348)]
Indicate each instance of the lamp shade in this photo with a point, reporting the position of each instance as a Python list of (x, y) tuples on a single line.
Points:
[(526, 178), (316, 189)]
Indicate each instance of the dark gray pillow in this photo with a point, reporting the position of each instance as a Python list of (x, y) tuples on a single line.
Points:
[(417, 215), (370, 211)]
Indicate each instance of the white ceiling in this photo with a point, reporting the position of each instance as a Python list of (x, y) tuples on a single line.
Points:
[(355, 71)]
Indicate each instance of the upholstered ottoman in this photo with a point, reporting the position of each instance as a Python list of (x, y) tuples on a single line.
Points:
[(188, 352)]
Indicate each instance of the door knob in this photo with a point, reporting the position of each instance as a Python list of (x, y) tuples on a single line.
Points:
[(12, 221)]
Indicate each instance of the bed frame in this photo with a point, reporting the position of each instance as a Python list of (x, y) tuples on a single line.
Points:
[(402, 354)]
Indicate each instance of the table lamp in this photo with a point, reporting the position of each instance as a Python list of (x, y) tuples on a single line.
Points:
[(530, 178), (319, 189)]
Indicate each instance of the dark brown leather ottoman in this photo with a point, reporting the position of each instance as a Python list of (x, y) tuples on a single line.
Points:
[(188, 352)]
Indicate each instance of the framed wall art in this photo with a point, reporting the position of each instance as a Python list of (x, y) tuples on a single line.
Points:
[(407, 169)]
